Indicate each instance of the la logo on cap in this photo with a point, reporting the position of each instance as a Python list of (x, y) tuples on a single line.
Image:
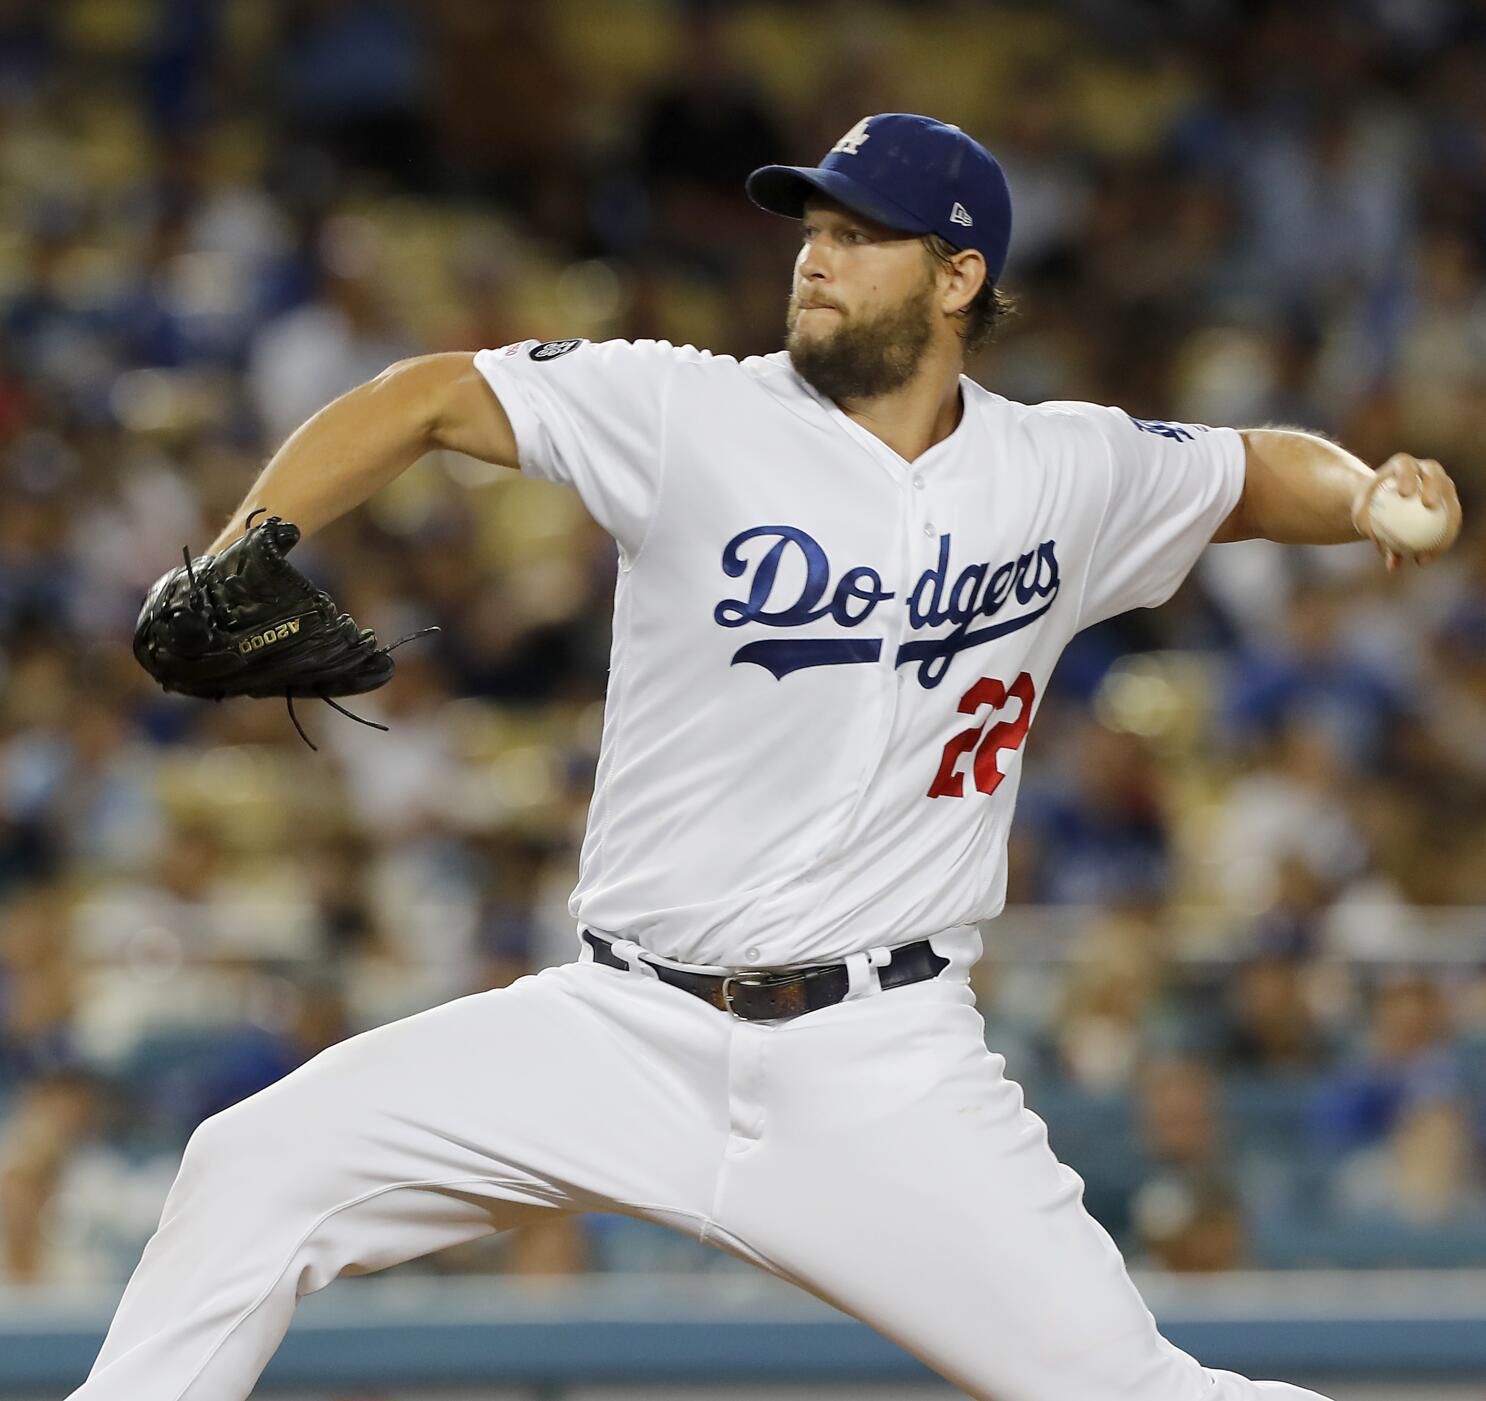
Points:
[(851, 143)]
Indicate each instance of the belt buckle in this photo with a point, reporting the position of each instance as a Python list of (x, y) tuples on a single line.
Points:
[(748, 980)]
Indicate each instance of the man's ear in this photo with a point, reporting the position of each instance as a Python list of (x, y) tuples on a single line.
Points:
[(965, 275)]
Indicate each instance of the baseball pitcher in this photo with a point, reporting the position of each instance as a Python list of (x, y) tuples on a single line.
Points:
[(846, 573)]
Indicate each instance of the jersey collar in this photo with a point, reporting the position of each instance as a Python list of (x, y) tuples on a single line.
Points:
[(869, 440)]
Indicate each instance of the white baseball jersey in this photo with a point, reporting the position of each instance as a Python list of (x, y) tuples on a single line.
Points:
[(826, 658)]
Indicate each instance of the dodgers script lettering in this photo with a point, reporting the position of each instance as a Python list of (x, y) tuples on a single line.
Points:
[(961, 602)]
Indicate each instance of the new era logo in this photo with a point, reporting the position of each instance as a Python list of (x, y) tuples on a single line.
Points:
[(959, 215)]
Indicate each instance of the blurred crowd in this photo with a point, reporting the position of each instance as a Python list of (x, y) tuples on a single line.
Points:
[(1244, 975)]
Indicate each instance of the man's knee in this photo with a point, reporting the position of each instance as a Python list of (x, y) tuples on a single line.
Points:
[(250, 1152)]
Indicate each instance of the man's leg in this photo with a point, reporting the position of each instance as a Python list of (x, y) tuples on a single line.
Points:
[(583, 1088), (896, 1173)]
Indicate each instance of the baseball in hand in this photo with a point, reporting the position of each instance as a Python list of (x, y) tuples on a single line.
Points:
[(1404, 523)]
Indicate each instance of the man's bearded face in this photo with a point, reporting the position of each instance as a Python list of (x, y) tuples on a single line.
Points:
[(854, 355)]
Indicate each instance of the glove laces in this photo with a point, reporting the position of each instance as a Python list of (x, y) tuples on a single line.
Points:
[(350, 714)]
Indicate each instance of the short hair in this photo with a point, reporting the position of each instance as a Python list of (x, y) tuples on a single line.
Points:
[(988, 308)]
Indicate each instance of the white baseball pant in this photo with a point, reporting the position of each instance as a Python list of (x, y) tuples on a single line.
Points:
[(872, 1152)]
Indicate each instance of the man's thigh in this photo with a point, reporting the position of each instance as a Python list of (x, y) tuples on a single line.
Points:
[(900, 1176), (580, 1087)]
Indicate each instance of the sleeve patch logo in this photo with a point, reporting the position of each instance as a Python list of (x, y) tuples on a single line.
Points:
[(550, 350), (1177, 432)]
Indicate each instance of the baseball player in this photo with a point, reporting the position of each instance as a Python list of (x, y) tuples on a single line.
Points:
[(846, 572)]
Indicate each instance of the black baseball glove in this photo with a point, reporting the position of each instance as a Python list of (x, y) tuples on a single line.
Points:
[(246, 622)]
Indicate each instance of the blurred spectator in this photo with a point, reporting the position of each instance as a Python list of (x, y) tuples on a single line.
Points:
[(1190, 1226), (1109, 998), (34, 582), (1051, 190), (354, 79), (344, 905), (87, 785), (1407, 1060), (1310, 673), (1452, 701), (510, 916), (509, 107), (57, 1112), (1293, 927), (1186, 1214), (698, 135), (1329, 202), (1099, 837), (1270, 1027), (347, 335), (27, 47), (1290, 807), (196, 904), (488, 271), (37, 984), (1440, 353), (1425, 1173)]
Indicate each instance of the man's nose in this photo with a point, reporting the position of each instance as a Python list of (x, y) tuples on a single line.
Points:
[(813, 263)]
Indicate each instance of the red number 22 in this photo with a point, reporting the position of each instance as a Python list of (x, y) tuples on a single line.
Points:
[(987, 743)]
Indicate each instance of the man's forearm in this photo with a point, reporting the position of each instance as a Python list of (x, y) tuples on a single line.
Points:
[(1300, 488), (347, 452)]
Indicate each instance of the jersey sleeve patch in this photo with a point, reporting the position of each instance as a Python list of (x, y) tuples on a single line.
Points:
[(1176, 432), (550, 350)]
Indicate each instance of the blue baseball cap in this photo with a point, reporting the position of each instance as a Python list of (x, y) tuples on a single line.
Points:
[(907, 172)]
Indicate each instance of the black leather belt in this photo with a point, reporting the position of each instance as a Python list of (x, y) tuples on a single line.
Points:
[(762, 995)]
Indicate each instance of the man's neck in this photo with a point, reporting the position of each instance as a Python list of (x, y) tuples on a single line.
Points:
[(912, 419)]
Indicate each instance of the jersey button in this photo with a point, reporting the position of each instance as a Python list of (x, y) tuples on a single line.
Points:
[(753, 955), (918, 483), (929, 529)]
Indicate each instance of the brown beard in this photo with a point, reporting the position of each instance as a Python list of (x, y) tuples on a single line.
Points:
[(863, 359)]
